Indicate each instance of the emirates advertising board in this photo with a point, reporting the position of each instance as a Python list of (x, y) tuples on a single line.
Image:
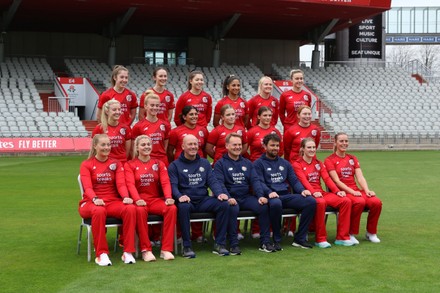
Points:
[(365, 39)]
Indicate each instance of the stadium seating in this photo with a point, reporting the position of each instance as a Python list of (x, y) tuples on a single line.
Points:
[(21, 102)]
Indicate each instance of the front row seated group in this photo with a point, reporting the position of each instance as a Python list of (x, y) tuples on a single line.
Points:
[(144, 186)]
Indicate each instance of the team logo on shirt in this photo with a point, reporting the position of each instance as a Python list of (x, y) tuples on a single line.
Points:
[(239, 132), (167, 99), (318, 167), (122, 131), (205, 100), (281, 168), (273, 104), (201, 134), (155, 167), (242, 104), (162, 127), (314, 132), (351, 162), (112, 166), (201, 169), (128, 98), (306, 97), (244, 168)]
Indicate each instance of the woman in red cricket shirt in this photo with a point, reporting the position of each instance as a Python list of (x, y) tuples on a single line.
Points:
[(215, 146), (149, 186), (309, 171), (231, 93), (345, 170), (256, 134), (197, 97), (119, 92), (188, 117), (292, 99), (263, 98), (166, 108), (295, 134), (106, 195), (119, 134), (157, 129)]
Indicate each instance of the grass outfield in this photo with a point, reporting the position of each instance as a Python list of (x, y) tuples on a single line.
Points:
[(39, 198)]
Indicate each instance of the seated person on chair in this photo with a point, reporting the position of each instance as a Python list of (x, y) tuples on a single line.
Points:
[(190, 177), (310, 171), (240, 182), (106, 195), (278, 178), (149, 186)]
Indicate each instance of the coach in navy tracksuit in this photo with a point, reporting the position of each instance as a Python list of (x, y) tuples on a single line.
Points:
[(240, 183), (277, 174), (190, 177)]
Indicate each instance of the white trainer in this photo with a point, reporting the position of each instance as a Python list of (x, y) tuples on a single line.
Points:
[(256, 235), (354, 240), (290, 234), (166, 255), (372, 238), (323, 244), (128, 258), (148, 256), (240, 236), (103, 260)]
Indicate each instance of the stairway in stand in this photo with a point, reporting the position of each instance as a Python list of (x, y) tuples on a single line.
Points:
[(89, 125)]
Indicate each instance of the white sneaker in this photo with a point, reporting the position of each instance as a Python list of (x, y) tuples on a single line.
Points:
[(199, 239), (290, 234), (256, 235), (148, 256), (354, 240), (323, 244), (240, 236), (128, 258), (372, 237), (103, 260), (166, 255)]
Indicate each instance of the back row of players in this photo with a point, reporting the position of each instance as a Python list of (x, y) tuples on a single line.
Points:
[(117, 108), (193, 110)]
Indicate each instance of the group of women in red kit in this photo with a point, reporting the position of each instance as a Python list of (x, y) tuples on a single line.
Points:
[(125, 175)]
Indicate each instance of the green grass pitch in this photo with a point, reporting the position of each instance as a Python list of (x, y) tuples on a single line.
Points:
[(39, 228)]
